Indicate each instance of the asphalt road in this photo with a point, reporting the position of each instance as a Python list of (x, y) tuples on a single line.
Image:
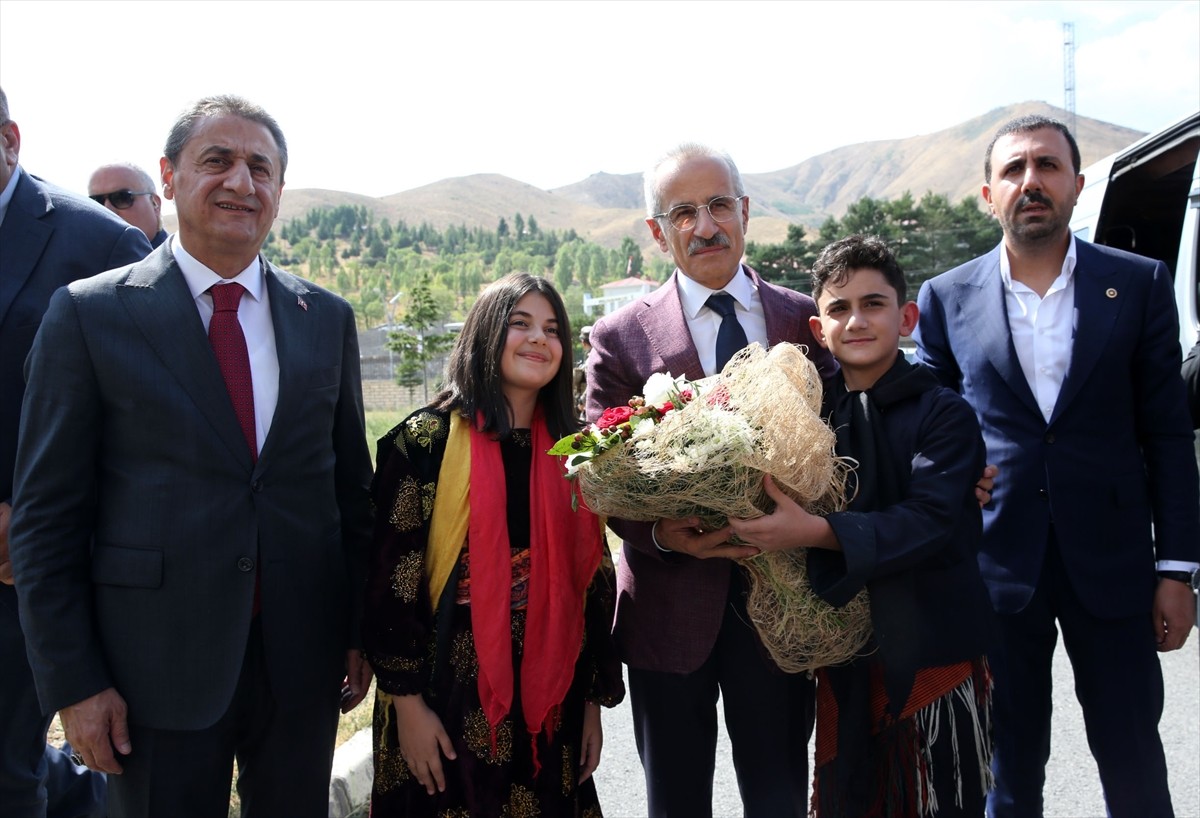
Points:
[(1072, 786)]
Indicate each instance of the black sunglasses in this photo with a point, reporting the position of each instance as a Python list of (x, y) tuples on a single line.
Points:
[(121, 199)]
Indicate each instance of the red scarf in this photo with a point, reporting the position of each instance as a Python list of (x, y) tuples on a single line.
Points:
[(565, 548)]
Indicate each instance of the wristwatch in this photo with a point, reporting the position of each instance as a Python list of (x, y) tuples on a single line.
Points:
[(1189, 578)]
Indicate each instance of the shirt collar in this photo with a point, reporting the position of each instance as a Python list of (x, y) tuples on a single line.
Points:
[(7, 194), (1068, 267), (692, 296), (200, 278)]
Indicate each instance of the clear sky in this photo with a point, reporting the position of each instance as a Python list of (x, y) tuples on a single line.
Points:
[(380, 97)]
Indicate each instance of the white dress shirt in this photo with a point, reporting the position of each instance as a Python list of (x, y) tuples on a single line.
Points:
[(6, 195), (703, 322), (1043, 328), (254, 314), (1043, 333)]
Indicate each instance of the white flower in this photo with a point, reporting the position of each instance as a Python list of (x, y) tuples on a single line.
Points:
[(660, 388), (642, 430), (715, 439)]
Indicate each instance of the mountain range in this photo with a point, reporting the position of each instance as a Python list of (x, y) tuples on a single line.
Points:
[(606, 207)]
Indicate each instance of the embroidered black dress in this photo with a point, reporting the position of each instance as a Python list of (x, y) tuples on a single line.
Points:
[(415, 651)]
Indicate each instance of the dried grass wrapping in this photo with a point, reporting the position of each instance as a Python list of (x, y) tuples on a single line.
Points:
[(764, 410)]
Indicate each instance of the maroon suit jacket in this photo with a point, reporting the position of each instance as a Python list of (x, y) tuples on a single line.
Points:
[(669, 606)]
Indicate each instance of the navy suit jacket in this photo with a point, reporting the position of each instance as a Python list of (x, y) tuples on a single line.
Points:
[(669, 606), (49, 238), (1116, 455), (140, 517)]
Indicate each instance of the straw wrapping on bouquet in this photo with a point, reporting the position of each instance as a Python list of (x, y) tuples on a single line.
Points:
[(707, 459)]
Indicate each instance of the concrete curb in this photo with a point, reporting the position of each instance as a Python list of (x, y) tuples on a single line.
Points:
[(353, 772)]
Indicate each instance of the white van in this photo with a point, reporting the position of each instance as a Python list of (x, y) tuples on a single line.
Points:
[(1146, 199)]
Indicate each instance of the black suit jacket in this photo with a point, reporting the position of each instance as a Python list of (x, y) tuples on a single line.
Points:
[(140, 518), (49, 238), (1191, 377)]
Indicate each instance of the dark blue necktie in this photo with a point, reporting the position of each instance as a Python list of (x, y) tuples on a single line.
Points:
[(730, 337)]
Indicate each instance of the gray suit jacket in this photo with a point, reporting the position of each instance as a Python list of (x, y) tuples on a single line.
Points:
[(669, 606), (141, 520)]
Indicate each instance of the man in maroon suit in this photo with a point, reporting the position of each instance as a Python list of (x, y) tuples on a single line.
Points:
[(681, 622)]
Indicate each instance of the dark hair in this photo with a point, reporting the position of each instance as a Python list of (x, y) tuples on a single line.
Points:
[(222, 105), (473, 373), (837, 261), (1026, 124)]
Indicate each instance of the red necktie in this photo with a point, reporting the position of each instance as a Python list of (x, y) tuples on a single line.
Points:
[(229, 345)]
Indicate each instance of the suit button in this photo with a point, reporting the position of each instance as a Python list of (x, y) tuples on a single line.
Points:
[(246, 564), (256, 486), (1049, 437), (1045, 495)]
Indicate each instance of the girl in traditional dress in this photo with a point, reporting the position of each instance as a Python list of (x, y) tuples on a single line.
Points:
[(489, 599)]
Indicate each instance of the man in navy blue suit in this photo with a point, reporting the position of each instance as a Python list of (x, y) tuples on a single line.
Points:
[(48, 238), (1068, 352)]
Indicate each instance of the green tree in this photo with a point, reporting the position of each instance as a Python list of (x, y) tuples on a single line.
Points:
[(632, 255), (417, 344), (782, 262), (564, 267), (504, 263)]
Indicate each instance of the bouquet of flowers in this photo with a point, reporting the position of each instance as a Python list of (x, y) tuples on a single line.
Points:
[(701, 449)]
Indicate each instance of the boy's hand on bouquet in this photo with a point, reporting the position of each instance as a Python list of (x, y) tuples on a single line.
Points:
[(788, 526)]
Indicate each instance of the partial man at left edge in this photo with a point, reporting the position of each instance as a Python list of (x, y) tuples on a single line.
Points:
[(48, 238)]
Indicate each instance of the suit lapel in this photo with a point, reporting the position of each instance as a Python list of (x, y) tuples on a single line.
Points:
[(1098, 287), (159, 302), (982, 307), (24, 237), (775, 313), (295, 339), (663, 322)]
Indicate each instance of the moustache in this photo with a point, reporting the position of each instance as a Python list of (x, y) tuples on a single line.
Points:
[(1034, 197), (698, 243)]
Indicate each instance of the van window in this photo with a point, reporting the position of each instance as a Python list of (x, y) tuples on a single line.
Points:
[(1146, 201)]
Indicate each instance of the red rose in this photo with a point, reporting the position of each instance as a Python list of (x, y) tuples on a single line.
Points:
[(666, 407), (614, 417)]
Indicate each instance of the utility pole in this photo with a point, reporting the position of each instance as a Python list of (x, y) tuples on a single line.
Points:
[(1069, 74)]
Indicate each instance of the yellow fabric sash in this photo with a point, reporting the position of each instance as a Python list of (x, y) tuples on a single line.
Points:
[(451, 509)]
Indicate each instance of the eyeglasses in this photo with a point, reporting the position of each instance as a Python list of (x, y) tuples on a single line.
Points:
[(720, 208), (123, 199)]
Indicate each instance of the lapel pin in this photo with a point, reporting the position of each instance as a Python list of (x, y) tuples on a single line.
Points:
[(1110, 292), (302, 304)]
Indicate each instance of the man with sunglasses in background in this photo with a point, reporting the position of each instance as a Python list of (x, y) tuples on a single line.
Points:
[(681, 622), (48, 238), (128, 191)]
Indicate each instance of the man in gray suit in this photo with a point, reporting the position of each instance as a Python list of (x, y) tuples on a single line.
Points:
[(192, 512), (681, 622), (48, 238)]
